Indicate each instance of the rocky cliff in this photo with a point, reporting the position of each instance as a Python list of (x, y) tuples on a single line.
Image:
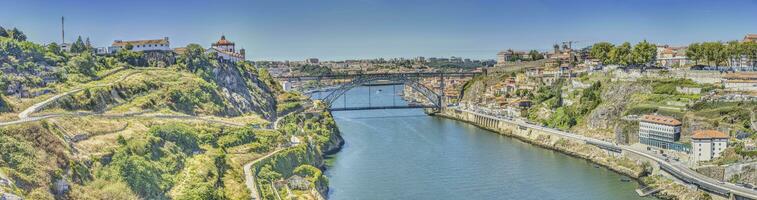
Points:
[(245, 92), (615, 99)]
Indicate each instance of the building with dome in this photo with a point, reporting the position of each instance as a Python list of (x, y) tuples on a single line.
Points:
[(226, 50)]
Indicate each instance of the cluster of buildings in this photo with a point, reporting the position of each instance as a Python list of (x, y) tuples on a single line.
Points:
[(225, 49), (665, 132), (452, 87)]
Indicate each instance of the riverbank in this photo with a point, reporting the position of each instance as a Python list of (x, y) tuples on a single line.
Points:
[(635, 168), (311, 152)]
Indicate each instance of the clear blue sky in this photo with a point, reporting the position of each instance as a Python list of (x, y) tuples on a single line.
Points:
[(330, 30)]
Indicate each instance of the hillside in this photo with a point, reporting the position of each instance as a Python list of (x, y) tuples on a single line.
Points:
[(134, 125)]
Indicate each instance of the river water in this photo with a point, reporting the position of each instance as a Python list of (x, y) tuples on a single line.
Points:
[(405, 154)]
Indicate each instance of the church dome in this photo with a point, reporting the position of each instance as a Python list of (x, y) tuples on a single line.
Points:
[(223, 41)]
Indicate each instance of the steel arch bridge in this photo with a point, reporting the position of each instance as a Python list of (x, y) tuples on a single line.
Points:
[(412, 80), (433, 97)]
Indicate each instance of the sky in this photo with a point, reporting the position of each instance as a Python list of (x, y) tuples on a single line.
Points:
[(357, 29)]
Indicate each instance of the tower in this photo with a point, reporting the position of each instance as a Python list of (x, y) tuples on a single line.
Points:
[(62, 30)]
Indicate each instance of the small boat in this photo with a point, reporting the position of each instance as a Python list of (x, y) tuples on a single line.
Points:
[(625, 180), (596, 166)]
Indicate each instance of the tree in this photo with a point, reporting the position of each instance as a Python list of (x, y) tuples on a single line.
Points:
[(643, 53), (3, 33), (535, 55), (16, 34), (750, 50), (267, 174), (129, 46), (194, 58), (88, 45), (714, 53), (78, 46), (307, 171), (621, 54), (53, 48), (84, 63), (694, 52), (601, 51), (734, 52)]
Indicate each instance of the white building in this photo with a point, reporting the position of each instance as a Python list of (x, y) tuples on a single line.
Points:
[(660, 131), (508, 55), (312, 61), (286, 85), (66, 47), (708, 144), (672, 56), (226, 50), (141, 45)]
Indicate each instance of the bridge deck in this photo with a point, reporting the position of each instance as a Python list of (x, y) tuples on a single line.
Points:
[(381, 107)]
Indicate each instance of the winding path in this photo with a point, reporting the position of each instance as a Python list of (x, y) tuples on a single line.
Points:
[(250, 177), (36, 107)]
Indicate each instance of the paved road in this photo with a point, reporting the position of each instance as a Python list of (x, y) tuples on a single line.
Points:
[(250, 178), (678, 167)]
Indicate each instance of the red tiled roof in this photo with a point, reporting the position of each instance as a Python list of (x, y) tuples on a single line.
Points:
[(750, 37), (223, 41), (658, 119), (709, 134)]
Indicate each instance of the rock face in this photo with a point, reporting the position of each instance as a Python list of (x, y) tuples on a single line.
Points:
[(244, 91), (614, 100)]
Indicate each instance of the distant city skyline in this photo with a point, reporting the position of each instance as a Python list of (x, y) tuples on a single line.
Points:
[(366, 29)]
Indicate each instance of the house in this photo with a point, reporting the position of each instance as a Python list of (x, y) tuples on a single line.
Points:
[(708, 144), (66, 47), (141, 45), (510, 55), (750, 38), (312, 61), (660, 131), (226, 50), (672, 56)]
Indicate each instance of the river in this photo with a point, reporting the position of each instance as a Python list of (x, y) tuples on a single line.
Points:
[(405, 154)]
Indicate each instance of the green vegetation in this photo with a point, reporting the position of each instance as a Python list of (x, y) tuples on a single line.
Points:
[(14, 34), (133, 158), (4, 106), (642, 53), (718, 54), (174, 161), (320, 136), (32, 156), (314, 70), (565, 117)]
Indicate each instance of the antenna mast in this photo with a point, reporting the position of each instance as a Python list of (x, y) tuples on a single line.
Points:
[(62, 30)]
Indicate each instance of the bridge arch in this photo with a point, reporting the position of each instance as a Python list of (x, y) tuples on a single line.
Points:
[(432, 96)]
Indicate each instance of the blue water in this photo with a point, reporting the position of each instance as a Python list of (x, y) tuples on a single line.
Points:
[(405, 154)]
